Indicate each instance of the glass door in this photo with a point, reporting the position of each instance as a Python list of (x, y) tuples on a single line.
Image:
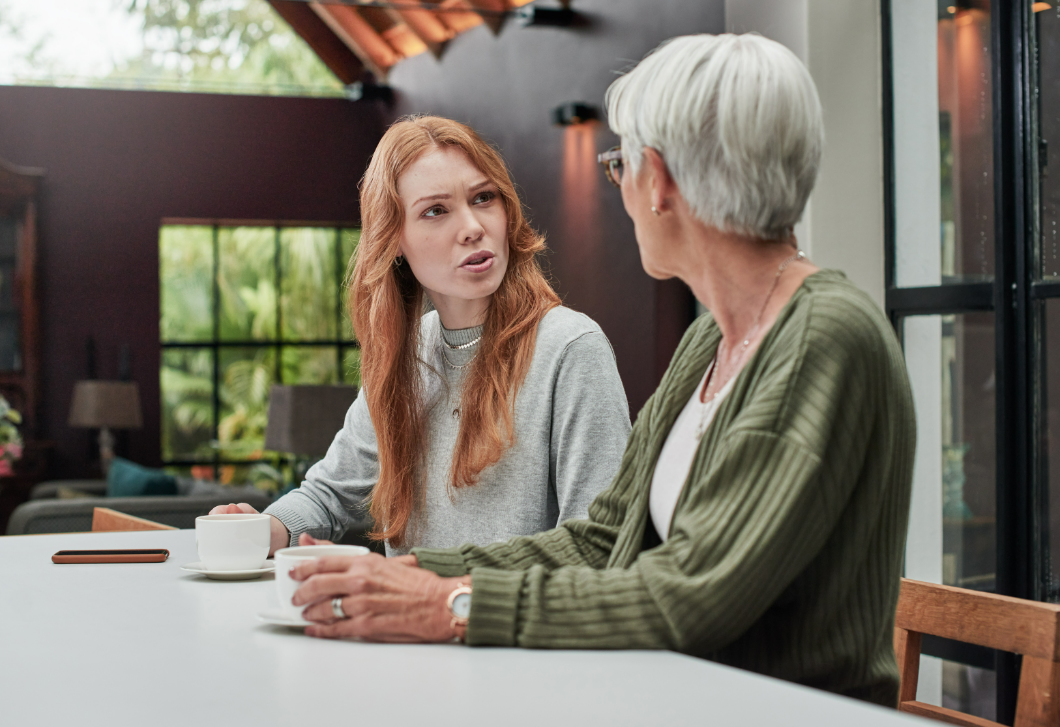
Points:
[(972, 99)]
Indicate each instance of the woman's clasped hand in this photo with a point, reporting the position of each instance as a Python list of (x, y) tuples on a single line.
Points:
[(384, 599)]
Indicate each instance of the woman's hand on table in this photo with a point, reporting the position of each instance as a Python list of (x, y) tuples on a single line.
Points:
[(386, 599), (279, 535)]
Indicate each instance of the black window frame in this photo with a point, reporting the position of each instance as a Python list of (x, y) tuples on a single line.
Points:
[(1016, 298), (277, 342)]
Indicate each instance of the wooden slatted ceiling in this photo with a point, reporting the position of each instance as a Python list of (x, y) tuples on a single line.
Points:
[(380, 37)]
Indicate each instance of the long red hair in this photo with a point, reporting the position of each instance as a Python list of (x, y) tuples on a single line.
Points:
[(386, 303)]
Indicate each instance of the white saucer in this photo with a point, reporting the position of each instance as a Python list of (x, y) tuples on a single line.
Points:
[(230, 575), (279, 618)]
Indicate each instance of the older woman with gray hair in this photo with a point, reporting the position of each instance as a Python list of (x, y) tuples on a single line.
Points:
[(759, 515)]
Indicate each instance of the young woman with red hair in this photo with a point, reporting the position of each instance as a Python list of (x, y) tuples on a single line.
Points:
[(500, 412)]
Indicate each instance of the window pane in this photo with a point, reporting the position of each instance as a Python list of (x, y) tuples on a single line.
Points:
[(351, 366), (969, 690), (1049, 386), (943, 136), (221, 46), (185, 268), (187, 403), (1047, 34), (310, 365), (952, 526), (309, 284), (247, 283), (246, 375), (350, 238)]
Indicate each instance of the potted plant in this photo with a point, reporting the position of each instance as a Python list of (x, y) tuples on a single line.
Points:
[(10, 438)]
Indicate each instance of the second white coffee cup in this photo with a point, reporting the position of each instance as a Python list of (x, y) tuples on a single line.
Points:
[(233, 542), (288, 558)]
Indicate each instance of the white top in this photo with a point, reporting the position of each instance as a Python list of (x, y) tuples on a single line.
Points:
[(675, 459), (124, 644)]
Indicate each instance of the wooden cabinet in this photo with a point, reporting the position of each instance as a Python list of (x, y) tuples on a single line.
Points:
[(19, 306), (20, 326)]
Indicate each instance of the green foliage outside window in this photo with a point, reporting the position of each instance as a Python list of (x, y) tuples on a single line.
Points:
[(247, 307), (224, 46)]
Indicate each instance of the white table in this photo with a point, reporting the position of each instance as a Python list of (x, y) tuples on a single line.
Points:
[(150, 644)]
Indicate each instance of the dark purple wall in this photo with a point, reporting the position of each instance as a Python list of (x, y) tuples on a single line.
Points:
[(118, 162), (505, 86)]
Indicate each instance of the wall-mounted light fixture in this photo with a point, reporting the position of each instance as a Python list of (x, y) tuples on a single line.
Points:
[(361, 91), (564, 17), (574, 112)]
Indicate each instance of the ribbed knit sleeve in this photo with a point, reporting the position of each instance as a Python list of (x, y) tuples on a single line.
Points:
[(689, 596), (785, 548)]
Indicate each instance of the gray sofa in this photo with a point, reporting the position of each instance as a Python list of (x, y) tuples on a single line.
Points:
[(75, 515), (43, 513)]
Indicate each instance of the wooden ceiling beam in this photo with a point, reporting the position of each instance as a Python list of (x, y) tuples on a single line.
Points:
[(335, 54), (394, 31), (491, 18), (458, 22), (427, 27), (359, 36)]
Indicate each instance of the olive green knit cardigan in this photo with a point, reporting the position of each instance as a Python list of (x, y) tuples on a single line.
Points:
[(785, 549)]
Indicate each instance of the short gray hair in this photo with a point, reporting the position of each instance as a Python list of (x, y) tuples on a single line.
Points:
[(736, 119)]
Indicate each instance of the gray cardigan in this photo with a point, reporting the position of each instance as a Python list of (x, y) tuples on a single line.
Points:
[(571, 426)]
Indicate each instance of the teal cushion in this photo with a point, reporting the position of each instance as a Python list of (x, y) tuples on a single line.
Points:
[(128, 479)]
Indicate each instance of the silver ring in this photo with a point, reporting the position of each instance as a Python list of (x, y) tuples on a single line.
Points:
[(336, 608)]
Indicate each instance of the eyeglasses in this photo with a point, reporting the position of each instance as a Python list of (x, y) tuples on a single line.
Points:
[(612, 163)]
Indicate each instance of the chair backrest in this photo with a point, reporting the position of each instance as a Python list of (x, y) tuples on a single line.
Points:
[(996, 622), (105, 520)]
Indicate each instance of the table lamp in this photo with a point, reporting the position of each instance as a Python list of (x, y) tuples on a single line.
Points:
[(106, 405), (303, 420)]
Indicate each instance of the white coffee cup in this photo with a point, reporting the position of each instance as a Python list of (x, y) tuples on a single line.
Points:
[(233, 542), (288, 558)]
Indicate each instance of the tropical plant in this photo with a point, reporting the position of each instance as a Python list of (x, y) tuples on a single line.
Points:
[(10, 438)]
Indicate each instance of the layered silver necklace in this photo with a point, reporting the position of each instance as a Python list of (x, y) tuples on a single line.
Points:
[(461, 347)]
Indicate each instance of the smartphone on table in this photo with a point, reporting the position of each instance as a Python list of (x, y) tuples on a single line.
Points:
[(156, 555)]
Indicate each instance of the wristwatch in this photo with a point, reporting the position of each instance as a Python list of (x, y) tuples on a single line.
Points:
[(459, 603)]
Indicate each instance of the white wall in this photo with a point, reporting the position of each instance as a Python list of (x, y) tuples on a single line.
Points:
[(840, 44), (918, 262)]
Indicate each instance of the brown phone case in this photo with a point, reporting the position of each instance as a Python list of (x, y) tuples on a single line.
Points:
[(157, 555)]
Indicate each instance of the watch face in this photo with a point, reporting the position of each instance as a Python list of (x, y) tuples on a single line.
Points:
[(462, 605)]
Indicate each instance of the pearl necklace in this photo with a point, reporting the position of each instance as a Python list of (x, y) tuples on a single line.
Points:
[(462, 346)]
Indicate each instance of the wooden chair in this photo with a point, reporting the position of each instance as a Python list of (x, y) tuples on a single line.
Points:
[(996, 622), (105, 520)]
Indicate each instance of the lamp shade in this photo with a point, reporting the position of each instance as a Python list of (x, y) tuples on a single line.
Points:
[(111, 404), (303, 420)]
